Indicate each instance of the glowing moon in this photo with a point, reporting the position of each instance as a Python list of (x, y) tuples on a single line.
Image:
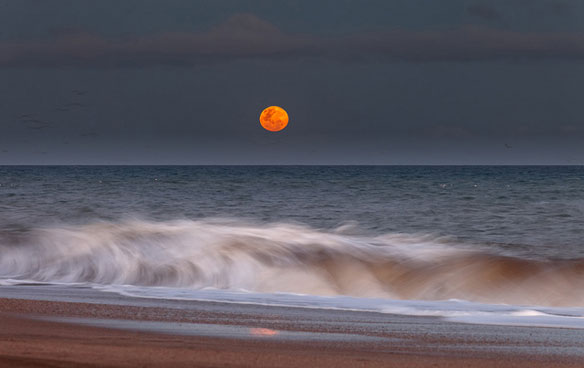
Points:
[(274, 118)]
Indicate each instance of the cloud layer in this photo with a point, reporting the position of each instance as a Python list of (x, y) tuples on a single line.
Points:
[(483, 11), (245, 36)]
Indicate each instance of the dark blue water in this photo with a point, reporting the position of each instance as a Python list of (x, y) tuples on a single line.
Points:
[(528, 211)]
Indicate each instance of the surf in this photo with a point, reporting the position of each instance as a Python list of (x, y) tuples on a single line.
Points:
[(236, 255)]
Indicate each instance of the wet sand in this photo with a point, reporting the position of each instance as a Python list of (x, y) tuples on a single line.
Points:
[(53, 327)]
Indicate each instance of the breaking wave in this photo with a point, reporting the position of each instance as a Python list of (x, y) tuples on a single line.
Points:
[(285, 258)]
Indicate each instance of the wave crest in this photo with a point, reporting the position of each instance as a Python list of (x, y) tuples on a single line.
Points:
[(285, 258)]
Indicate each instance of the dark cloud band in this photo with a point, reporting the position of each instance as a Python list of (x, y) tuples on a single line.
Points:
[(246, 36)]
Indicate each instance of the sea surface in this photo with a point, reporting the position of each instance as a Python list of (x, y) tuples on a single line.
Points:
[(456, 241)]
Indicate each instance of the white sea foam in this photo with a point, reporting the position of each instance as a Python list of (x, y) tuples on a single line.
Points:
[(285, 258), (452, 310)]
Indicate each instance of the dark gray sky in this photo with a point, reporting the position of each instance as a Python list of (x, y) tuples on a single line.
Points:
[(364, 82)]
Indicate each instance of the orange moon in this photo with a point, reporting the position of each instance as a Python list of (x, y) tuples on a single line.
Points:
[(274, 118)]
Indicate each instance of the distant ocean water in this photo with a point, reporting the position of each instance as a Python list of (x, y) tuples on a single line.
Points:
[(511, 235)]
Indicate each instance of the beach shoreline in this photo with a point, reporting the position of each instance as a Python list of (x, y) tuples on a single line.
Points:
[(45, 327)]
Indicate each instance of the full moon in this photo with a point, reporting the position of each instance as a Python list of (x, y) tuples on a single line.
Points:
[(274, 118)]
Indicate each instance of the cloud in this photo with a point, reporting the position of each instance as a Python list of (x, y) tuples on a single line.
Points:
[(67, 31), (483, 11), (468, 43), (546, 7), (559, 7), (246, 36)]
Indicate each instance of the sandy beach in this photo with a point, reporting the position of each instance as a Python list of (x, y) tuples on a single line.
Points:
[(56, 327)]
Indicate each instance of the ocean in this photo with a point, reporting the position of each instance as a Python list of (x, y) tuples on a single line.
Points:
[(488, 244)]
